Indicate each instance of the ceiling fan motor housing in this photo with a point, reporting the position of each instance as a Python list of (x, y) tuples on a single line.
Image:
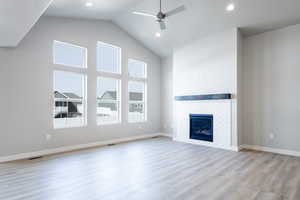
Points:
[(160, 16)]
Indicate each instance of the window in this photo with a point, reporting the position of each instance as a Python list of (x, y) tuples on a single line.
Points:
[(70, 99), (69, 85), (137, 69), (137, 103), (108, 100), (108, 84), (69, 55), (108, 58)]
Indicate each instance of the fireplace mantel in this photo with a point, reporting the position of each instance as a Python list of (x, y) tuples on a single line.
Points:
[(203, 97)]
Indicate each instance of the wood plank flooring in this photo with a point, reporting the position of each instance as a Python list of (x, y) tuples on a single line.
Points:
[(153, 169)]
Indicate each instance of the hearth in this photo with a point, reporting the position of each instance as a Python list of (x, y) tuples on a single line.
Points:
[(201, 127)]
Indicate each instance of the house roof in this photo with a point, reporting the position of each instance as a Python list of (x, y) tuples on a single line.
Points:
[(66, 95), (59, 95), (111, 95), (72, 95)]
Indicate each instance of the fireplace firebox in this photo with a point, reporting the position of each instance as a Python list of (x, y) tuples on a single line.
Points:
[(201, 127)]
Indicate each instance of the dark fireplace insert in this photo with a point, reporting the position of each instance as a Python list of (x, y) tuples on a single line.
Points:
[(201, 127)]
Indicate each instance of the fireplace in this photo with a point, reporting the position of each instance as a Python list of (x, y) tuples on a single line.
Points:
[(201, 127)]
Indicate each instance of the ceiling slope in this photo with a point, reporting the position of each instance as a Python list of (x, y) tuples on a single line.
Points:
[(204, 17), (101, 9), (17, 17)]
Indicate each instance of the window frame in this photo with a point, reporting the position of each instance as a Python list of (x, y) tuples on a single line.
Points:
[(145, 99), (118, 101), (75, 70), (119, 72), (73, 45), (84, 99), (112, 75), (145, 69)]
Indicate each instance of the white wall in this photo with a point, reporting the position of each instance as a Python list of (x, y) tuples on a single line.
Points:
[(271, 89), (209, 66), (167, 95), (206, 66), (29, 75)]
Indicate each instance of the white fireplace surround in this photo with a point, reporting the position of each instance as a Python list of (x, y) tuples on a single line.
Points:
[(208, 66), (222, 121)]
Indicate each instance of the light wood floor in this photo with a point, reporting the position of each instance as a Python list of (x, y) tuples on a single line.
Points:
[(154, 169)]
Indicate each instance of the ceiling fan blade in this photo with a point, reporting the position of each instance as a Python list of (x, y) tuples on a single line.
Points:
[(162, 25), (144, 14), (175, 11)]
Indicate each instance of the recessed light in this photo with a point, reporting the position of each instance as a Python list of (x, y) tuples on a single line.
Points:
[(89, 4), (157, 34), (230, 7)]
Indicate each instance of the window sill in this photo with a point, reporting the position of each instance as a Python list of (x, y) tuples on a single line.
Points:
[(109, 123), (138, 122), (70, 127)]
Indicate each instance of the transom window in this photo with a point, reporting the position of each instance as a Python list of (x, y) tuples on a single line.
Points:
[(108, 58), (69, 55), (137, 69)]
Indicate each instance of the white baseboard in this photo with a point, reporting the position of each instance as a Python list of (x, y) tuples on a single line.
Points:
[(271, 150), (170, 135), (74, 147)]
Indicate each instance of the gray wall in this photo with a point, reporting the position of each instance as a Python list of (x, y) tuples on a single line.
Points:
[(167, 95), (4, 90), (240, 91), (271, 89), (28, 73)]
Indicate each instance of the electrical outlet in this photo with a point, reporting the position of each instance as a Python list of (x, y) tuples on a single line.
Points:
[(272, 136)]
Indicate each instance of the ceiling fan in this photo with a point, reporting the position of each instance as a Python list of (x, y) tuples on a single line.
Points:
[(160, 17)]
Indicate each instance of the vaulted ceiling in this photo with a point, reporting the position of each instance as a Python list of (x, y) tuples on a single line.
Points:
[(202, 17), (102, 9), (17, 18)]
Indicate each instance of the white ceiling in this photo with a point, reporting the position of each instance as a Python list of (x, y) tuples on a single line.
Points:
[(102, 9), (17, 18), (202, 17)]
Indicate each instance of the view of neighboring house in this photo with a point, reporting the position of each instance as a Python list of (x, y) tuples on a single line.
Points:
[(67, 105), (109, 98), (107, 101)]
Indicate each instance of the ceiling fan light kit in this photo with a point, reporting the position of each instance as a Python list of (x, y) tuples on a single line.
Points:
[(161, 16)]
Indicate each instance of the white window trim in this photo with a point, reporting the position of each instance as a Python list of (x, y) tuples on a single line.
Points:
[(71, 69), (119, 100), (84, 101), (120, 59), (142, 80), (145, 102), (145, 70), (112, 75), (73, 66)]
